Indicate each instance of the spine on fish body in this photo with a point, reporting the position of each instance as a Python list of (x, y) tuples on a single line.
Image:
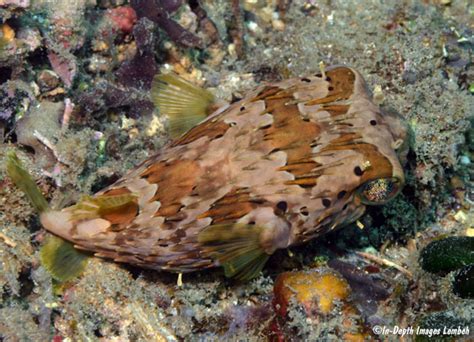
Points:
[(287, 163)]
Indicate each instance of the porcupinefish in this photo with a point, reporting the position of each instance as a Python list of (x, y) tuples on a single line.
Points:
[(287, 163)]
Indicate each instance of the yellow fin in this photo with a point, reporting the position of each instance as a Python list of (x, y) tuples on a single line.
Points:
[(237, 247), (94, 207), (185, 103), (23, 181), (61, 259)]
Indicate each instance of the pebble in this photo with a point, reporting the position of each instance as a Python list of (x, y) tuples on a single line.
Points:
[(465, 160), (47, 80), (278, 25), (99, 64), (8, 34)]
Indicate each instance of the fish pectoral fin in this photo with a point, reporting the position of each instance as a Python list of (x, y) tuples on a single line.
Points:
[(61, 259), (237, 247), (246, 266), (185, 103)]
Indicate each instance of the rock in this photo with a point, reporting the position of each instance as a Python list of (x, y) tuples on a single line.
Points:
[(30, 38), (316, 290), (447, 324), (47, 80), (321, 293), (99, 64), (110, 3), (368, 290), (65, 65), (16, 3), (463, 283), (42, 121), (447, 254), (122, 18)]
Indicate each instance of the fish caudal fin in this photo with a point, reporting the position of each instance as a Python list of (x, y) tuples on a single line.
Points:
[(23, 181), (61, 259), (237, 247), (185, 103)]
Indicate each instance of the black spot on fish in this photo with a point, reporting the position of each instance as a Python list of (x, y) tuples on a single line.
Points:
[(265, 127), (274, 150), (341, 194), (282, 205), (304, 211), (326, 202)]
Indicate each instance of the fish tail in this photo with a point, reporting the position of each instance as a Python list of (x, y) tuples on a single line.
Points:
[(58, 256), (23, 181)]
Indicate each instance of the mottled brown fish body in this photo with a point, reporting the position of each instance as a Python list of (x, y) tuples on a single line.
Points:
[(296, 159)]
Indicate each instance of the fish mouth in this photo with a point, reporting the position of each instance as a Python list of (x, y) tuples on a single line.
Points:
[(352, 215)]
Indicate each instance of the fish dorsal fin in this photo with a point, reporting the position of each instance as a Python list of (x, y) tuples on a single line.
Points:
[(237, 247), (23, 181), (103, 205), (185, 103), (61, 259)]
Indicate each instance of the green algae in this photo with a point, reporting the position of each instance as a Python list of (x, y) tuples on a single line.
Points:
[(463, 282), (448, 254)]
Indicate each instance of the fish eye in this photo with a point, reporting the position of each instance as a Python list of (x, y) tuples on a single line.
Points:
[(379, 191)]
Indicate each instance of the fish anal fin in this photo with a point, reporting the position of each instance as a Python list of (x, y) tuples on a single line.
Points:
[(61, 259), (237, 247)]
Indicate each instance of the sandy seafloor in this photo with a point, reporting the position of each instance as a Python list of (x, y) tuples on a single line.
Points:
[(416, 55)]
